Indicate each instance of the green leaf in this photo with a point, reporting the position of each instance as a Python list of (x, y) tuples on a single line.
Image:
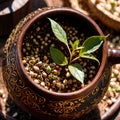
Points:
[(77, 72), (75, 44), (91, 44), (90, 56), (58, 32), (112, 5), (58, 57)]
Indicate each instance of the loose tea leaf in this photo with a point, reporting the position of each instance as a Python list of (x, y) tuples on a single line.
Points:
[(114, 89), (58, 57), (77, 71), (48, 69)]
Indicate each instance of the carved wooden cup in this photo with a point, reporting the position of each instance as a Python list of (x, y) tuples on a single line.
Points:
[(43, 103)]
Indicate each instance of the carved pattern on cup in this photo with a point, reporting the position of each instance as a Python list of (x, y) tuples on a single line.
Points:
[(16, 86), (30, 98)]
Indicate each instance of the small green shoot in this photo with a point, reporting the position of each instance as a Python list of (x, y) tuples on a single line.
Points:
[(112, 5), (89, 46)]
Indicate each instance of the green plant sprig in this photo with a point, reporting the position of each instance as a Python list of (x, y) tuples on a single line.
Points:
[(90, 45)]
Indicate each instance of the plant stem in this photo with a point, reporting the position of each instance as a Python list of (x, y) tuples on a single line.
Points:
[(71, 55), (75, 59), (69, 52)]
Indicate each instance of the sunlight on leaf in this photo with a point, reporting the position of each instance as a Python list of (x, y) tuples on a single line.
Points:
[(77, 72), (90, 56), (91, 44), (58, 31)]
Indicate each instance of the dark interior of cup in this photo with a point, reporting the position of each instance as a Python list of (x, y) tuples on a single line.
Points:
[(71, 18)]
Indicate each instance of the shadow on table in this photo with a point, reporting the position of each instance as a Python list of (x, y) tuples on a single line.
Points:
[(93, 115)]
